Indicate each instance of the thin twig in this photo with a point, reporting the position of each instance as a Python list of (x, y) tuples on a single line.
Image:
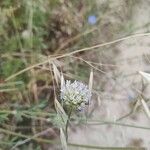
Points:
[(77, 51)]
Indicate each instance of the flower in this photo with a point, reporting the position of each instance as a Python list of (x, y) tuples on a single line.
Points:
[(92, 19), (75, 94)]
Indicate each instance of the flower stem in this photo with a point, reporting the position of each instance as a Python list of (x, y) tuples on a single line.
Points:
[(67, 123)]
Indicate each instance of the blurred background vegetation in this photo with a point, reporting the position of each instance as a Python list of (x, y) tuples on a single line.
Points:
[(33, 31)]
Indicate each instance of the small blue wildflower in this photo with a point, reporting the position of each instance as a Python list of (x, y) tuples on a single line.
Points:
[(75, 94), (92, 19)]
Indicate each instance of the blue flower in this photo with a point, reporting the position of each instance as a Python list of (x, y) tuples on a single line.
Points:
[(92, 19), (75, 94)]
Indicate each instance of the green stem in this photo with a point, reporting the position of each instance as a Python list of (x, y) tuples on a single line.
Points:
[(67, 123)]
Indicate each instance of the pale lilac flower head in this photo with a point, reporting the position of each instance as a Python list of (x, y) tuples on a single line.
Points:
[(92, 19), (75, 94)]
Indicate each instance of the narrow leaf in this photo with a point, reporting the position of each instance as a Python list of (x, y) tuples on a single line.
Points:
[(60, 111), (56, 73), (145, 75), (62, 80), (146, 108), (91, 80)]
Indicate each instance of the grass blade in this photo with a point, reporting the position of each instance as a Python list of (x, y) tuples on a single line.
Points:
[(56, 73), (91, 80), (146, 108), (63, 140), (145, 75), (60, 111), (62, 80)]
